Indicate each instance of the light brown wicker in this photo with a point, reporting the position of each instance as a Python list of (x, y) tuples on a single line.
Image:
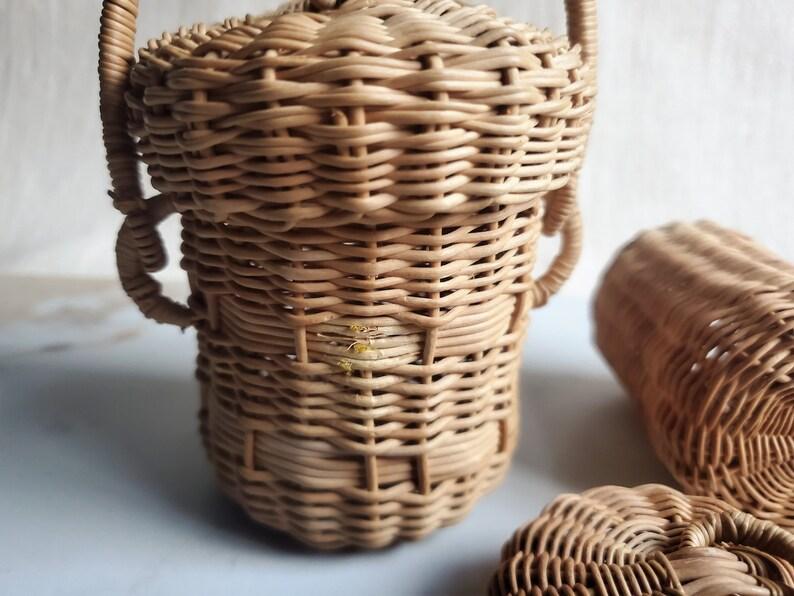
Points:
[(361, 191), (651, 540), (698, 323)]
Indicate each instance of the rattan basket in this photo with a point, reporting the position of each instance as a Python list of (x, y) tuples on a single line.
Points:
[(698, 323), (361, 189), (648, 541)]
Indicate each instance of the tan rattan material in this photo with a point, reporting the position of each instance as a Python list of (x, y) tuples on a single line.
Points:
[(651, 540), (361, 192), (698, 323)]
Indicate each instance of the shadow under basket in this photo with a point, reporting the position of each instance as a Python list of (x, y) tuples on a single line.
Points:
[(361, 186), (697, 321)]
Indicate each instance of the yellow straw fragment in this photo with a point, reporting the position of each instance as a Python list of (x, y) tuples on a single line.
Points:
[(346, 366)]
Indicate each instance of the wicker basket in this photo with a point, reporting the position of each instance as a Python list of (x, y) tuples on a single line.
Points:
[(698, 323), (651, 540), (361, 189)]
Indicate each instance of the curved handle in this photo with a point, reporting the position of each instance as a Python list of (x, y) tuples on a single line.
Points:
[(139, 249), (563, 216), (583, 29), (562, 212), (137, 282), (116, 56), (563, 264)]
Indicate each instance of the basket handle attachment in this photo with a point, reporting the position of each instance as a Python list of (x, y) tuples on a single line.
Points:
[(563, 264), (139, 249), (137, 281), (562, 211)]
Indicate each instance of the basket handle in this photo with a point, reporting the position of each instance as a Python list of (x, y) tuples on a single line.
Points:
[(583, 30), (562, 211), (563, 264), (116, 56), (137, 282), (139, 249)]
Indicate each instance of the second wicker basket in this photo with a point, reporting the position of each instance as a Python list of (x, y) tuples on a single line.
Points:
[(697, 321)]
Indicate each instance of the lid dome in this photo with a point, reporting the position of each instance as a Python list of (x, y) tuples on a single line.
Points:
[(391, 108)]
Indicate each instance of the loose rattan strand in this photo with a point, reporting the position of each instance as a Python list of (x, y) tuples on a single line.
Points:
[(698, 323), (361, 192), (652, 540)]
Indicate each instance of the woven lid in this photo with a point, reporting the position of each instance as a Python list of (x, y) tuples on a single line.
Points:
[(648, 540), (406, 108), (398, 29)]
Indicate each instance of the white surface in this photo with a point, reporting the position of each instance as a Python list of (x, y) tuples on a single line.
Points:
[(105, 488), (694, 121)]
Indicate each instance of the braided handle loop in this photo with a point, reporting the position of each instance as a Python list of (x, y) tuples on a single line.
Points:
[(562, 266), (562, 211), (137, 282), (139, 250)]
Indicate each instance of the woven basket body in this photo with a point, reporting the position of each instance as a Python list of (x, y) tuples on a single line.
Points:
[(361, 191), (652, 540), (698, 323)]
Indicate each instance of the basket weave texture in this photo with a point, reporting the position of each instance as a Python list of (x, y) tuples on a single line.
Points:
[(652, 540), (698, 323), (361, 191)]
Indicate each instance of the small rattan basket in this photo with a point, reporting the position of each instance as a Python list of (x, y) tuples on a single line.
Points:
[(698, 323), (647, 541), (361, 188)]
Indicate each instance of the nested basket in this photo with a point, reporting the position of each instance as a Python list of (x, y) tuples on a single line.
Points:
[(361, 188), (647, 541), (698, 323)]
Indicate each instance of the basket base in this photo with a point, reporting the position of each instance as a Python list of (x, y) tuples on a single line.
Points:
[(369, 530), (323, 502)]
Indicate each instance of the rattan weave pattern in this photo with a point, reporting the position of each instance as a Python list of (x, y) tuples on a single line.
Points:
[(361, 192), (698, 323), (651, 540)]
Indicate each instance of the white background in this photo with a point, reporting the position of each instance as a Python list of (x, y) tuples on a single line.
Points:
[(105, 489), (695, 120)]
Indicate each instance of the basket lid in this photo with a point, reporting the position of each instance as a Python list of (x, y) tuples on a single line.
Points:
[(651, 539), (392, 108), (471, 43)]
